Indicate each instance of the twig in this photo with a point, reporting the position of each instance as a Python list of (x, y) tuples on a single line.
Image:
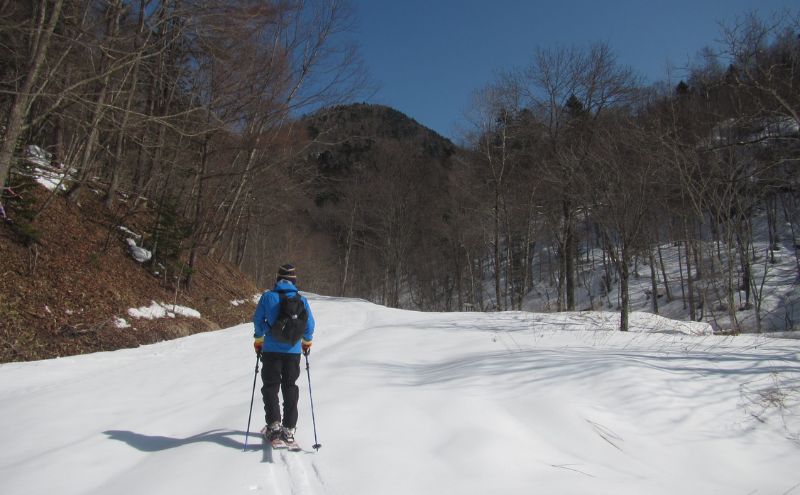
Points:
[(790, 489), (604, 433), (32, 262), (565, 466)]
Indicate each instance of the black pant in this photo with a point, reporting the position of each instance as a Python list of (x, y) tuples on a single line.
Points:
[(280, 371)]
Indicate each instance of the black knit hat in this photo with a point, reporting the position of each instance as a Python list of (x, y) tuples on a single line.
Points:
[(286, 272)]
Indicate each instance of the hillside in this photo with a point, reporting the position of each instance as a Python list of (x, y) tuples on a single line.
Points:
[(383, 214), (375, 122), (69, 292), (354, 144)]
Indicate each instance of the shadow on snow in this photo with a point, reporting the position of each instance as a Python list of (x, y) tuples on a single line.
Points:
[(156, 443)]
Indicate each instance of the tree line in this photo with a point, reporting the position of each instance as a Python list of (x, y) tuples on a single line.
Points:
[(574, 155), (187, 105), (220, 114), (571, 166)]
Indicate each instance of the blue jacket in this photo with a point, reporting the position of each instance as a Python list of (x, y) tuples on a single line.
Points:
[(267, 312)]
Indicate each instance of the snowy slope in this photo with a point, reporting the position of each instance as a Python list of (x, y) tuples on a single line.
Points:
[(775, 278), (418, 403)]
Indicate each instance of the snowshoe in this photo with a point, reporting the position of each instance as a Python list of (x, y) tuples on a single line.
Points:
[(274, 435), (288, 438)]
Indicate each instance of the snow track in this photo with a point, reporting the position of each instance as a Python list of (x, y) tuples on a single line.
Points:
[(293, 473), (300, 483)]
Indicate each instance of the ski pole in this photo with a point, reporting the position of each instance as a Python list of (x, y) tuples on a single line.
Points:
[(249, 416), (316, 445)]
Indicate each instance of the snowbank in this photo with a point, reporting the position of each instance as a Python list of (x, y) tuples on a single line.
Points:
[(161, 310), (140, 254)]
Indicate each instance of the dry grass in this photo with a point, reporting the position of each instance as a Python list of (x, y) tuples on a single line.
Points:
[(60, 296)]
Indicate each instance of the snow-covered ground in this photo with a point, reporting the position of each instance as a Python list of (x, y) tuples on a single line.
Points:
[(418, 403), (775, 277)]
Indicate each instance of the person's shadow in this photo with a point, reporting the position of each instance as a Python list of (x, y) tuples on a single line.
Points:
[(225, 438)]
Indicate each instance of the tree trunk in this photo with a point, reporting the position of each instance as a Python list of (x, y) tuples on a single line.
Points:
[(624, 306), (527, 257), (562, 270), (653, 279), (498, 294), (569, 256), (682, 280), (86, 163), (123, 127), (459, 277), (23, 99), (689, 278), (791, 220), (240, 188), (86, 166), (744, 259), (664, 275), (348, 250)]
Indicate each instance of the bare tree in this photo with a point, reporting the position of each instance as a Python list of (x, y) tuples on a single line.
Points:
[(494, 110), (625, 177), (33, 80), (568, 89)]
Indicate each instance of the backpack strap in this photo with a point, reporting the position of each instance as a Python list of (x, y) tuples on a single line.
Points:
[(281, 299), (285, 290)]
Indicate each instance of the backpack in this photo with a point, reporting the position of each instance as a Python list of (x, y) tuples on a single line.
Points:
[(292, 319)]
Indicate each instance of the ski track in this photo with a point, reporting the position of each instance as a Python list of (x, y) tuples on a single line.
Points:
[(296, 474), (289, 474), (278, 488)]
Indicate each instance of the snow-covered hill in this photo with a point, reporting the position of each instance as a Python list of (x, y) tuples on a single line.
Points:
[(774, 275), (418, 403)]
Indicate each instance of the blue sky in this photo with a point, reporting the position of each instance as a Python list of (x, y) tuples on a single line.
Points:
[(429, 56)]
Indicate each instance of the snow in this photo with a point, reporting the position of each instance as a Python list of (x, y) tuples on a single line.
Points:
[(121, 322), (44, 172), (418, 403), (253, 299), (51, 181), (37, 156), (161, 310), (775, 277), (140, 254), (128, 232)]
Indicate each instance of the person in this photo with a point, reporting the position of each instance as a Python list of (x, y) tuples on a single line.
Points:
[(281, 361)]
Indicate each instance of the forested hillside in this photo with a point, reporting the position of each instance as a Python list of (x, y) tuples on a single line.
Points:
[(232, 124), (79, 283), (383, 193)]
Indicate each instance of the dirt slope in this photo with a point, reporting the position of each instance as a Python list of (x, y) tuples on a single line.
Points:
[(62, 295)]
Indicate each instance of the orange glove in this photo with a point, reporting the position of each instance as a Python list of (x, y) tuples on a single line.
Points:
[(306, 345), (258, 344)]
